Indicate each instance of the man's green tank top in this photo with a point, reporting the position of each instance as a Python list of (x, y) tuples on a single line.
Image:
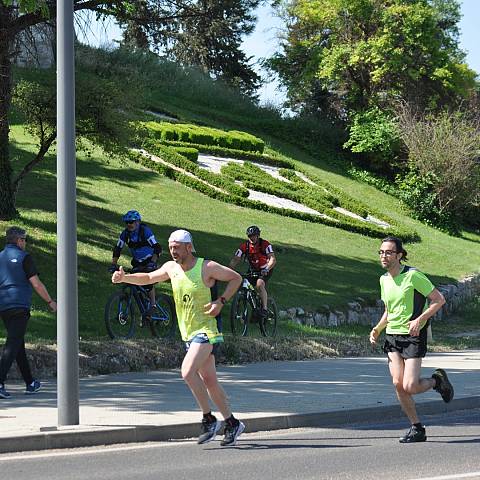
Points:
[(190, 295)]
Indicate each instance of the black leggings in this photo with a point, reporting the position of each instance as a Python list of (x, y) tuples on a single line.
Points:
[(15, 321)]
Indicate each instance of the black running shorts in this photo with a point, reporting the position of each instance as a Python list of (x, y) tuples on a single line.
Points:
[(407, 346)]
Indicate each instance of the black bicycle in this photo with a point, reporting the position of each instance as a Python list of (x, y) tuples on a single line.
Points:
[(130, 306), (247, 307)]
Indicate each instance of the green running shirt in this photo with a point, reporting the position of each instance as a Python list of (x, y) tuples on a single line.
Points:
[(405, 297), (190, 295)]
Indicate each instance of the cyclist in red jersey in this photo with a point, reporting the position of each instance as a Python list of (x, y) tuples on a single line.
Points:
[(261, 259)]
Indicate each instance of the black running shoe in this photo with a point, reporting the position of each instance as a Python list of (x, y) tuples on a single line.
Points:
[(443, 385), (413, 435), (232, 433), (208, 431)]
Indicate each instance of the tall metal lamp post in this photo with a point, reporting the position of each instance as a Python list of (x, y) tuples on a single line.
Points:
[(67, 330)]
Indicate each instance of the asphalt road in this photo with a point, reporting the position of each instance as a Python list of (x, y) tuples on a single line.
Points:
[(352, 452)]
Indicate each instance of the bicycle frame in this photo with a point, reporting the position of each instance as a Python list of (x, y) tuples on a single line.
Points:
[(141, 297), (251, 294)]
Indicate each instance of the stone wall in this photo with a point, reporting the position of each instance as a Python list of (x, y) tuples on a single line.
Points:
[(359, 312)]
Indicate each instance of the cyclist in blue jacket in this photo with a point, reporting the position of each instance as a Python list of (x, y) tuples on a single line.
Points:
[(143, 246)]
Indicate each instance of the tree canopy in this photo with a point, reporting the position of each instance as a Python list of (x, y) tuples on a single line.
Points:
[(156, 22), (209, 37), (351, 55)]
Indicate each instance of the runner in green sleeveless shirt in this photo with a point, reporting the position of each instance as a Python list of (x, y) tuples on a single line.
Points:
[(190, 295), (198, 308), (405, 292)]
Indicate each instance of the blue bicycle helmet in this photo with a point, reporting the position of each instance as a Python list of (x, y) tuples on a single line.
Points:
[(131, 216)]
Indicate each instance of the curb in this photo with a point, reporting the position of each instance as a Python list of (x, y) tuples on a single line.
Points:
[(76, 437)]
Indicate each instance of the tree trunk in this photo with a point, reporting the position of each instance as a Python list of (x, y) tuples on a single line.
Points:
[(7, 196)]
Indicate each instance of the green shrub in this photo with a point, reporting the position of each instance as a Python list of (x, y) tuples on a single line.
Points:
[(238, 154), (418, 193), (349, 224), (168, 154), (375, 134), (184, 132), (188, 152)]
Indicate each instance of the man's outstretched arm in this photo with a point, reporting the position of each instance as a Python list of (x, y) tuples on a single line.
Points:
[(160, 275)]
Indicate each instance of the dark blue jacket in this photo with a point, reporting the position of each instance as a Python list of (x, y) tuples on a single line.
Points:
[(15, 287), (142, 243)]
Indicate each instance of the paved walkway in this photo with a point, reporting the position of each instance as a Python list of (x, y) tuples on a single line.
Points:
[(158, 405)]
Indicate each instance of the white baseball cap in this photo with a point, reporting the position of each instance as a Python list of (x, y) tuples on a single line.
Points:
[(181, 236)]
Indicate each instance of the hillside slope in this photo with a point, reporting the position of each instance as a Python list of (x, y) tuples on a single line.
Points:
[(317, 264)]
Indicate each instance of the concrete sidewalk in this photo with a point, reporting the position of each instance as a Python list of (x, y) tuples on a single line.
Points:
[(158, 405)]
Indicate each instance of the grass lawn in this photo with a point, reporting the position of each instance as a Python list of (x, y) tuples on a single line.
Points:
[(317, 264)]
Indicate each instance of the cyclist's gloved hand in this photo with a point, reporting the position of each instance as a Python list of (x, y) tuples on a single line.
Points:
[(264, 271), (151, 266), (113, 268)]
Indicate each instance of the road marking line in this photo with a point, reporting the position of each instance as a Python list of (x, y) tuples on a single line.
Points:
[(90, 450), (451, 477)]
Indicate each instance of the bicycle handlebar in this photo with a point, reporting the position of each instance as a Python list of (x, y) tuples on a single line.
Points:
[(133, 270), (252, 275)]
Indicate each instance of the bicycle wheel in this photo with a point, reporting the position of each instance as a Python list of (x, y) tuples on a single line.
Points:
[(240, 314), (120, 315), (163, 321), (268, 326)]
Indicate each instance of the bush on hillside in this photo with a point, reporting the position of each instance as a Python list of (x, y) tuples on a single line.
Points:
[(374, 134), (195, 134), (444, 170), (238, 154), (187, 152), (349, 224)]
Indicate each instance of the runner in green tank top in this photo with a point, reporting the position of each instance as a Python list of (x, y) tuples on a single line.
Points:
[(198, 307), (410, 301), (191, 295)]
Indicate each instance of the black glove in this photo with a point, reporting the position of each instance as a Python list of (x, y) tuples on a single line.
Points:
[(151, 266), (113, 268)]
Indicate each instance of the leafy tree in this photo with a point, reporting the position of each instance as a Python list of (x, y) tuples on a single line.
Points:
[(365, 53), (99, 116), (152, 18), (209, 39)]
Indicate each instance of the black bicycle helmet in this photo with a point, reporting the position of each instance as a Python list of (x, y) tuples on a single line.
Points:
[(253, 230)]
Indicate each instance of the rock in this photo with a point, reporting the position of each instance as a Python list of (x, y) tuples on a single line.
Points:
[(282, 314), (355, 306), (353, 317), (341, 319), (332, 320), (292, 312), (320, 319), (300, 312), (379, 303), (309, 320)]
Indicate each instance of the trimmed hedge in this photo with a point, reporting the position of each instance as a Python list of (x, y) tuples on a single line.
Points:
[(238, 154), (322, 196), (352, 226), (187, 152), (186, 132), (168, 154)]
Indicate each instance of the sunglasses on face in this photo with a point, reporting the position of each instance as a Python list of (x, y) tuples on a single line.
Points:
[(131, 222), (387, 253)]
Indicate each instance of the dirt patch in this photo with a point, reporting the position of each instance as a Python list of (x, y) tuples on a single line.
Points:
[(105, 356)]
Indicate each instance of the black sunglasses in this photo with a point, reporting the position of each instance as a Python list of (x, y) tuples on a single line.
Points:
[(130, 222)]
